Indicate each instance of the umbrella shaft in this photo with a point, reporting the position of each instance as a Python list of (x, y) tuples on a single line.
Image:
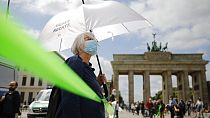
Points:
[(99, 65)]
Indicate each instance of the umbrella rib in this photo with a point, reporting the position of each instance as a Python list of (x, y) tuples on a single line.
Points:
[(125, 27), (84, 18), (60, 44)]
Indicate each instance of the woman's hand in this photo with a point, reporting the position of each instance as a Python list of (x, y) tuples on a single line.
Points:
[(101, 79)]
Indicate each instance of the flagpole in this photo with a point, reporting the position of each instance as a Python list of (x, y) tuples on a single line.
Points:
[(7, 13), (83, 2)]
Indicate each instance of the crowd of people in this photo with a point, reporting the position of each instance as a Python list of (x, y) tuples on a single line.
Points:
[(177, 109)]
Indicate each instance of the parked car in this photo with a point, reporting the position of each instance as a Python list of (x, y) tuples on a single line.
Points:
[(38, 108), (3, 91)]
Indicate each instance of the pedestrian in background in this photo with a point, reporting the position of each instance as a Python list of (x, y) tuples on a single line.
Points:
[(113, 95), (142, 107), (172, 102), (199, 108), (150, 106), (11, 102)]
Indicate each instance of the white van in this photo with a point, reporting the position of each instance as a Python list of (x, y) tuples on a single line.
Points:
[(39, 107)]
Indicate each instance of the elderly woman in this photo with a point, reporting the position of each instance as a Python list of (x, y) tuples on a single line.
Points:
[(71, 105)]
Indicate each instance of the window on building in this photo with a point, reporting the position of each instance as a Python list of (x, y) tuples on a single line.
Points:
[(30, 97), (40, 82), (49, 85), (22, 94), (24, 81), (32, 81)]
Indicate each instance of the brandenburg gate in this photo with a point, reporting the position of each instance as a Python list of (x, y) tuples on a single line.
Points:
[(164, 64)]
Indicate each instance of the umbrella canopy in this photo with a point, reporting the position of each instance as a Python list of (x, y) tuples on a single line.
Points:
[(102, 18)]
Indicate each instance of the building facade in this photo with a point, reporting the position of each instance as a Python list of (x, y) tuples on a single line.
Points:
[(29, 86), (8, 72)]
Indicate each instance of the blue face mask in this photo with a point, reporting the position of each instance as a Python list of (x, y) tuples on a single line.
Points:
[(91, 47)]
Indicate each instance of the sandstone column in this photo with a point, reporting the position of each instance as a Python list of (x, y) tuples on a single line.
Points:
[(146, 86), (196, 78), (167, 86), (194, 86), (186, 89), (183, 85), (204, 86), (116, 82), (130, 87), (200, 85)]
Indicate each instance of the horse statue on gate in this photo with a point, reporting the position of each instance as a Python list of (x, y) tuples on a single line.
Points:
[(166, 47), (148, 47)]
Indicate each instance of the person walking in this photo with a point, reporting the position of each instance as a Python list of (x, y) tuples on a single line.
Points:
[(11, 102), (161, 108), (74, 106), (133, 108), (172, 102), (150, 106), (189, 107), (142, 107), (199, 108), (182, 107)]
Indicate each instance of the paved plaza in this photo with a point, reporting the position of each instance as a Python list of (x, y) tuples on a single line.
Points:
[(126, 114)]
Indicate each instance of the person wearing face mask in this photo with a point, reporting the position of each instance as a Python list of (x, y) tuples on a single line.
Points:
[(74, 106), (11, 102)]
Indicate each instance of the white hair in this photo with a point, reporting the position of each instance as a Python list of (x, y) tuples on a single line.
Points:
[(79, 42)]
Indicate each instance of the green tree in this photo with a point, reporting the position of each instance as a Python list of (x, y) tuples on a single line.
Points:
[(159, 95)]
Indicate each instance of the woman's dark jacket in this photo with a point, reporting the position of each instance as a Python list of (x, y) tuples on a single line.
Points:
[(73, 106)]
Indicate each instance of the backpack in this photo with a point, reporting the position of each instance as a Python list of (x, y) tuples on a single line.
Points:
[(55, 99), (54, 102)]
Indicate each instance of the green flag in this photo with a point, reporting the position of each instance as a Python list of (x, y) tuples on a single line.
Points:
[(26, 52)]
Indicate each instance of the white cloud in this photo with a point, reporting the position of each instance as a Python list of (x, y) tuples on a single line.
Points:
[(202, 29), (179, 22), (34, 33), (105, 66), (50, 7), (166, 14), (185, 39)]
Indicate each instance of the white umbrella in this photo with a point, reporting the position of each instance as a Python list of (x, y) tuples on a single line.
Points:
[(102, 18)]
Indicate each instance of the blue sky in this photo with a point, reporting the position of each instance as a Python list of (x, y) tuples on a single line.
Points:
[(184, 24)]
